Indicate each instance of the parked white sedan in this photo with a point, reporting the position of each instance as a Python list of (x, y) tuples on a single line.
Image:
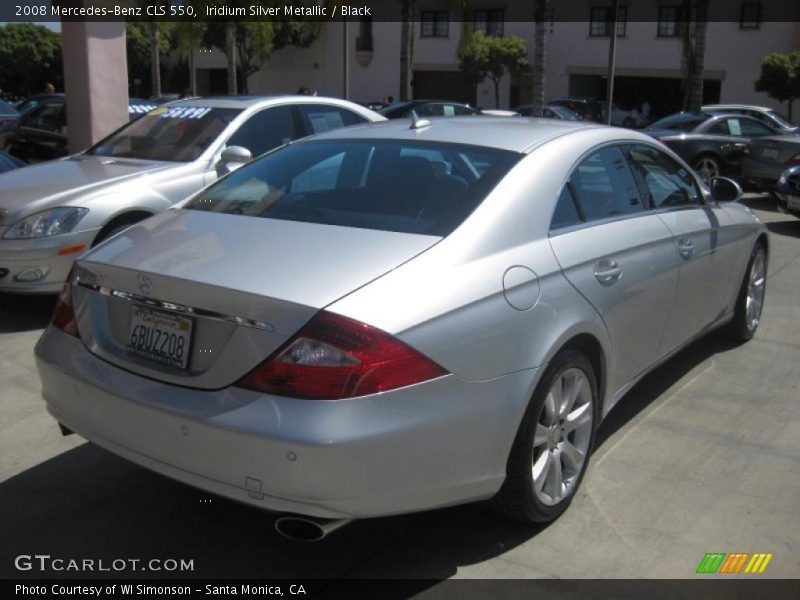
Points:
[(52, 211)]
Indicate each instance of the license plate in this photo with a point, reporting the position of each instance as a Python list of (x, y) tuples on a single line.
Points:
[(161, 337), (769, 153)]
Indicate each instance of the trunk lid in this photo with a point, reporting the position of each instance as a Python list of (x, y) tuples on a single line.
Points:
[(245, 284)]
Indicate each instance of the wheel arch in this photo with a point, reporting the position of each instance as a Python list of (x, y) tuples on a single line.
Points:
[(129, 217)]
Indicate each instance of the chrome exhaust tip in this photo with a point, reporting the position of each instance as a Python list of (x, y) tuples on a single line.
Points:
[(307, 529)]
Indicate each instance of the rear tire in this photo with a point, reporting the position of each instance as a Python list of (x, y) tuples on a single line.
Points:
[(750, 301), (553, 444)]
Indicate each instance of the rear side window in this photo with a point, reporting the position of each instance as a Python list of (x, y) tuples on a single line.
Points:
[(265, 130), (318, 118), (604, 185), (392, 185), (566, 213)]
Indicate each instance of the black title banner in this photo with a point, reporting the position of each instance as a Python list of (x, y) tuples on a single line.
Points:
[(423, 589), (377, 10)]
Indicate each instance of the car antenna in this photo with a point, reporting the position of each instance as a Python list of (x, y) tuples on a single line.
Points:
[(417, 123)]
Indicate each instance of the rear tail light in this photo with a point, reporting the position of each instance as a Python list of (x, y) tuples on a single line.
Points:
[(334, 357), (795, 160), (64, 315)]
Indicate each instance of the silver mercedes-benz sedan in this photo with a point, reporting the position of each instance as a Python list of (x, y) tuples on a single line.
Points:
[(52, 211), (400, 316)]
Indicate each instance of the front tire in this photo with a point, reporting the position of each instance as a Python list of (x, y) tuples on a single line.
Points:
[(555, 439), (707, 167), (750, 301)]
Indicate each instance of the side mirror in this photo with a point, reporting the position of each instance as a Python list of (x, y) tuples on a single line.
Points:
[(725, 190), (231, 159)]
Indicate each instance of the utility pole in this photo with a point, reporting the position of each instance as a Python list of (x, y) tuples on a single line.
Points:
[(612, 57)]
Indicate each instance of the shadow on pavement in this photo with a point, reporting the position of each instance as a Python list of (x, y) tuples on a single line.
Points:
[(24, 313), (790, 228), (659, 381), (765, 202)]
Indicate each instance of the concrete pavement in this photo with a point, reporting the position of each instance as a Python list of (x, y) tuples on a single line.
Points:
[(702, 456)]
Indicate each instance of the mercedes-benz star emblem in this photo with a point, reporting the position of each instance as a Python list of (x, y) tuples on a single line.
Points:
[(145, 285)]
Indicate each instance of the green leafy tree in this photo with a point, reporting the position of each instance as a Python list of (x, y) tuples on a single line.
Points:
[(482, 56), (780, 78), (30, 56), (139, 42), (251, 43)]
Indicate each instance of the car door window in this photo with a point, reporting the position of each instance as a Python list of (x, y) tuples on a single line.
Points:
[(754, 129), (462, 110), (47, 117), (427, 110), (266, 130), (317, 118), (665, 182), (604, 185)]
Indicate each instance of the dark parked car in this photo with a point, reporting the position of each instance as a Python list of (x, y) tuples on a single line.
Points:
[(788, 191), (40, 132), (589, 110), (7, 112), (549, 112), (764, 114), (769, 157), (9, 163), (428, 108), (713, 144)]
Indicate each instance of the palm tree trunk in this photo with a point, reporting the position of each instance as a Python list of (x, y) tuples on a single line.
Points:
[(192, 72), (698, 66), (230, 53), (539, 57), (405, 49), (155, 59)]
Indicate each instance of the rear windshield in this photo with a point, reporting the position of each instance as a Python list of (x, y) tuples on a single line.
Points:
[(680, 122), (391, 185)]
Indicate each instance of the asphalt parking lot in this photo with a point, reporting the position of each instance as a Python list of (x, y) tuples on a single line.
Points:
[(702, 456)]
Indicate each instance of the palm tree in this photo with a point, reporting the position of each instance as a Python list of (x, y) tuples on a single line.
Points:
[(406, 47), (155, 58), (189, 35), (541, 10), (230, 54)]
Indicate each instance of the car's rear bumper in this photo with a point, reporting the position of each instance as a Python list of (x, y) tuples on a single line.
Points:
[(35, 266), (439, 443)]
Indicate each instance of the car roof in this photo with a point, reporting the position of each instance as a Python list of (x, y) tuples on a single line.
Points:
[(724, 106), (243, 102), (517, 134)]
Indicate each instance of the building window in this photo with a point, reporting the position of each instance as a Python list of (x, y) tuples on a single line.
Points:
[(364, 39), (435, 23), (751, 15), (490, 21), (600, 21), (670, 19)]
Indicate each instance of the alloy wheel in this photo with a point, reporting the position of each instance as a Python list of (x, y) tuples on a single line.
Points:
[(562, 438), (756, 286)]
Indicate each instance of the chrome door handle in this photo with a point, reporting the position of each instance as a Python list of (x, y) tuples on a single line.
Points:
[(686, 249), (607, 272)]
